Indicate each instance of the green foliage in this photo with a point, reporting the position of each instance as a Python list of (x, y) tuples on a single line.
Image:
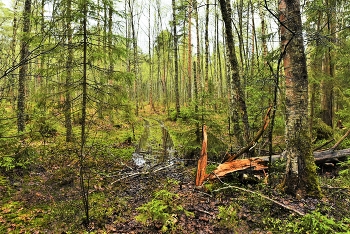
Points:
[(228, 217), (311, 223), (321, 130), (15, 218), (164, 208), (344, 174), (103, 207), (19, 157)]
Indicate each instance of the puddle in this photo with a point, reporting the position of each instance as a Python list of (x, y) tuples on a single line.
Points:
[(155, 145)]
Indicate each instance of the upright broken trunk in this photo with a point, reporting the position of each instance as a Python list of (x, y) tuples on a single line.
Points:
[(202, 162), (300, 177)]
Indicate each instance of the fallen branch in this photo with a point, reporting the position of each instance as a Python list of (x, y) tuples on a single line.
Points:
[(261, 163), (340, 140), (260, 195), (141, 173), (256, 138)]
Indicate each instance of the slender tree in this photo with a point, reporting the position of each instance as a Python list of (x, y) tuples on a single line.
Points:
[(236, 90), (328, 66), (189, 66), (68, 82), (23, 70), (176, 63), (84, 182)]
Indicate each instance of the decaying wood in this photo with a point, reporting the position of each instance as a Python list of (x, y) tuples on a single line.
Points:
[(202, 162), (256, 138), (323, 156)]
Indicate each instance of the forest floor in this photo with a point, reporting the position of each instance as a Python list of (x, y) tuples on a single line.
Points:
[(45, 195), (47, 200)]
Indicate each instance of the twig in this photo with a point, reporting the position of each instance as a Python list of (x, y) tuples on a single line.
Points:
[(259, 194), (204, 211), (141, 173), (330, 187), (207, 194)]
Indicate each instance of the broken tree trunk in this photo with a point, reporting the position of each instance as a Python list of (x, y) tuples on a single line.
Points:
[(238, 165), (202, 162)]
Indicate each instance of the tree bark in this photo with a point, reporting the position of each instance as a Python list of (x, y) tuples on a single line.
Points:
[(328, 67), (68, 101), (177, 96), (23, 70), (300, 176), (189, 66), (237, 91)]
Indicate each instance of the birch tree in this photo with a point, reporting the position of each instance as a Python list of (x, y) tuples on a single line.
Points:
[(300, 176)]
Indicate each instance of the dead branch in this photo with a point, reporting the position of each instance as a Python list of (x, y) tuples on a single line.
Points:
[(141, 173), (260, 195), (256, 138), (340, 140)]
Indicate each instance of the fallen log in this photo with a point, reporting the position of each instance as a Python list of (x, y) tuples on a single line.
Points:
[(327, 155)]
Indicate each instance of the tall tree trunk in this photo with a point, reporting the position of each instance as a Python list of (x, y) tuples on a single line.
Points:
[(13, 52), (21, 101), (84, 185), (189, 67), (150, 98), (68, 83), (196, 71), (206, 41), (177, 96), (300, 177), (135, 57), (237, 91), (327, 84)]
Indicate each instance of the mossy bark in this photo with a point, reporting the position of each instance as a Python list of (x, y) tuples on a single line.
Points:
[(300, 177)]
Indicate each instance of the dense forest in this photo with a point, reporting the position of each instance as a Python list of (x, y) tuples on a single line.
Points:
[(212, 116)]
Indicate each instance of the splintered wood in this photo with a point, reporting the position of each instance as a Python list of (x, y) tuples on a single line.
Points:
[(231, 164), (238, 165), (203, 160)]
